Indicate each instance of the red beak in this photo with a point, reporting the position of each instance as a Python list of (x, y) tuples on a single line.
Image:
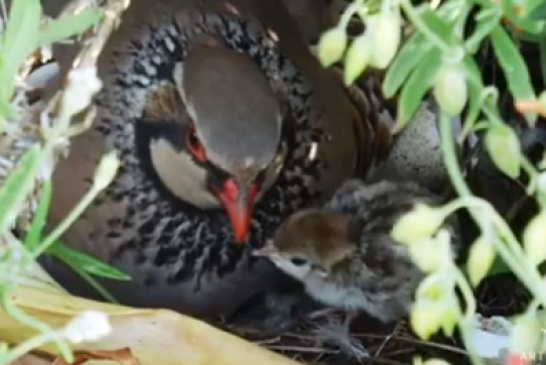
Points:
[(238, 204)]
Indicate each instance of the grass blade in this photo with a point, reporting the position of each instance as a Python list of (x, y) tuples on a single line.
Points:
[(18, 186)]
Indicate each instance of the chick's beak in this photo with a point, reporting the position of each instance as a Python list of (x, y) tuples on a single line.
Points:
[(238, 202)]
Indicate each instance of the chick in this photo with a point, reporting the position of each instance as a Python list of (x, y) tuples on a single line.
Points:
[(343, 253)]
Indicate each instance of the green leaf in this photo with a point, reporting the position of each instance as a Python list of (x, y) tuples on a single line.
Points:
[(483, 3), (18, 186), (439, 26), (94, 284), (417, 85), (473, 73), (407, 59), (450, 11), (34, 233), (63, 28), (487, 19), (472, 113), (528, 37), (513, 66), (86, 263), (504, 148), (475, 87), (74, 265), (536, 9), (527, 24), (19, 40)]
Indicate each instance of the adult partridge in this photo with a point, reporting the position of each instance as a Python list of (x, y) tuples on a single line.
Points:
[(225, 124)]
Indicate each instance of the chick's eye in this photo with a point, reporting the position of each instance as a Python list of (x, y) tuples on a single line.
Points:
[(194, 145), (298, 261)]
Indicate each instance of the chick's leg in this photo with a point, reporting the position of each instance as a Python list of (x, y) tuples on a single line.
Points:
[(338, 334), (331, 313), (350, 316)]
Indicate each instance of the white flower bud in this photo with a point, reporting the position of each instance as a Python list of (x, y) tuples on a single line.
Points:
[(525, 335), (420, 223), (436, 362), (87, 326), (426, 318), (425, 254), (331, 46), (450, 89), (480, 259), (106, 172), (504, 148), (534, 238), (83, 84), (357, 58), (386, 38)]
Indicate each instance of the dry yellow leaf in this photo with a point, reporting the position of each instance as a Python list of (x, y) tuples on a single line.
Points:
[(155, 337)]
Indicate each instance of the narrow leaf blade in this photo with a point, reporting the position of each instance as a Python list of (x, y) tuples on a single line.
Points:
[(20, 38), (63, 28), (531, 25), (34, 233), (17, 186), (487, 19), (86, 263), (513, 65), (417, 85), (407, 59), (440, 26)]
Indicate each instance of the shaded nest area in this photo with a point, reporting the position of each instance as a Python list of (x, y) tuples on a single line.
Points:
[(499, 295)]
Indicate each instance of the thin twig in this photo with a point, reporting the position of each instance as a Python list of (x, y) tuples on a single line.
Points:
[(416, 341), (301, 349)]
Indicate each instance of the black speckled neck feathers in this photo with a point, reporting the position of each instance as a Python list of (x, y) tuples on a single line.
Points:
[(170, 233)]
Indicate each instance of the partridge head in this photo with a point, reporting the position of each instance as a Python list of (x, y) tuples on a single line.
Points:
[(343, 253), (313, 242), (229, 144)]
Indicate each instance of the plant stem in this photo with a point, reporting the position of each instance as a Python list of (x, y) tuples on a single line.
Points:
[(427, 32), (466, 323), (511, 251), (468, 295), (26, 347), (351, 10), (44, 329), (67, 221), (91, 281)]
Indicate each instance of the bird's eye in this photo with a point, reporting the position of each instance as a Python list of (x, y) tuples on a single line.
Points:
[(298, 261), (194, 145)]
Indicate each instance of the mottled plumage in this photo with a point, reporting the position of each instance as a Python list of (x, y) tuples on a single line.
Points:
[(344, 254), (214, 107)]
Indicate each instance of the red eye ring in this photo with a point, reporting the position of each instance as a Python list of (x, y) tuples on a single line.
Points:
[(194, 145)]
